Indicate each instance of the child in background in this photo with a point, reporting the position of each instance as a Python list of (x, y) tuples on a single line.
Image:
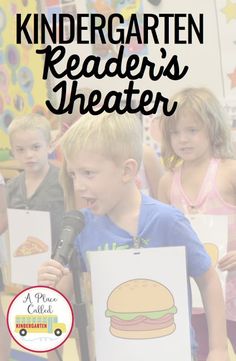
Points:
[(5, 338), (37, 187), (202, 179), (102, 156)]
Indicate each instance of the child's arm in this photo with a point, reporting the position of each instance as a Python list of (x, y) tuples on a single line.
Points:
[(228, 262), (3, 209), (228, 174), (164, 188), (153, 169), (212, 297), (53, 274)]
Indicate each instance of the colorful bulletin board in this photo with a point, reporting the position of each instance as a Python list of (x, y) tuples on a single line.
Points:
[(126, 9), (22, 89)]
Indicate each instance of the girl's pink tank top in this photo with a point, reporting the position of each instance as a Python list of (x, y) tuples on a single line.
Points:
[(209, 201)]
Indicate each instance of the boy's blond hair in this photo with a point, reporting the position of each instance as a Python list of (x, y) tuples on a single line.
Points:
[(117, 137), (203, 103), (32, 121)]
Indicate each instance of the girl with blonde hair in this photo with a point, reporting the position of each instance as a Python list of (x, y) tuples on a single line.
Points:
[(201, 178)]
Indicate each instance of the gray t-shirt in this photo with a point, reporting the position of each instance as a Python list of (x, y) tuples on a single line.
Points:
[(47, 197)]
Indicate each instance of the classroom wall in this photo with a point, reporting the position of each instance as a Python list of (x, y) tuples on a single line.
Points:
[(22, 89), (209, 64), (212, 64)]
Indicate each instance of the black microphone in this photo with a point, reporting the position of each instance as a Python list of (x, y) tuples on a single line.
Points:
[(72, 225)]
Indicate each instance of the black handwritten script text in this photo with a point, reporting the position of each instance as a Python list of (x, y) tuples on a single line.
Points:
[(161, 29)]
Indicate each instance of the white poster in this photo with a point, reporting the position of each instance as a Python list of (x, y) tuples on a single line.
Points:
[(212, 231), (140, 303), (30, 244)]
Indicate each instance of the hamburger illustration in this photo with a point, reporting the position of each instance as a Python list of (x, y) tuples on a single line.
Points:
[(141, 309)]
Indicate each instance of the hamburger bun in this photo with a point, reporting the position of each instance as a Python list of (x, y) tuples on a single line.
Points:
[(140, 295)]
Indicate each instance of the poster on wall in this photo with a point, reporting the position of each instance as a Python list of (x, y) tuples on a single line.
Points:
[(140, 310)]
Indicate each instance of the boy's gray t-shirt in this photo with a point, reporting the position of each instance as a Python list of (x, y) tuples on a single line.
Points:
[(47, 197)]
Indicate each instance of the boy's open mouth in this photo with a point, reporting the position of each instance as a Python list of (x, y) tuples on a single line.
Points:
[(90, 202)]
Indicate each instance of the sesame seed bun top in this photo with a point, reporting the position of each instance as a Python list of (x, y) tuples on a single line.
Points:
[(140, 295)]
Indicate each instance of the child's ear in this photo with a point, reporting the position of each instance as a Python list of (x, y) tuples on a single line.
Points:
[(130, 169)]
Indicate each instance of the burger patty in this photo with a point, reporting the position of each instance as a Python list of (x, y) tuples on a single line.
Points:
[(142, 323)]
